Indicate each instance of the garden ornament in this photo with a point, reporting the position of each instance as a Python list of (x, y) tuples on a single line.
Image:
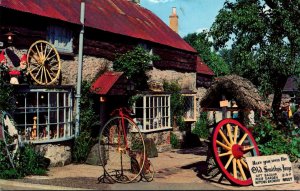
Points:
[(14, 74)]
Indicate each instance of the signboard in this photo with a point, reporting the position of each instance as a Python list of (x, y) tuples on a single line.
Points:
[(270, 170), (224, 103)]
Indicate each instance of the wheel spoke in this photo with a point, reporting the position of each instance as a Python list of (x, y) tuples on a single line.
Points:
[(34, 67), (46, 58), (225, 154), (45, 73), (224, 137), (38, 51), (234, 168), (229, 133), (229, 161), (242, 139), (248, 148), (42, 52), (50, 57), (42, 72), (245, 164), (49, 75), (235, 134), (223, 145), (241, 169), (38, 72)]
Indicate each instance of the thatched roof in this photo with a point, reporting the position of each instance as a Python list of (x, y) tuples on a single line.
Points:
[(236, 88)]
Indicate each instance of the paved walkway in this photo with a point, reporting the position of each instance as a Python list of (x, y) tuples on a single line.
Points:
[(178, 169)]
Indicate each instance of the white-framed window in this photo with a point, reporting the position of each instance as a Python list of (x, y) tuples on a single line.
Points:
[(153, 112), (189, 107), (44, 115), (61, 38)]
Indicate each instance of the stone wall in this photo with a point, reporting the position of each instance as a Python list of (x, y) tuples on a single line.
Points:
[(186, 80), (161, 139), (58, 153), (92, 66)]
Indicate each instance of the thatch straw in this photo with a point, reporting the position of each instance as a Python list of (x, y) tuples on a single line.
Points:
[(233, 87)]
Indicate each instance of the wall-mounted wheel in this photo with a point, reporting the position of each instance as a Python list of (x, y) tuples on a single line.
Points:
[(231, 143), (43, 63)]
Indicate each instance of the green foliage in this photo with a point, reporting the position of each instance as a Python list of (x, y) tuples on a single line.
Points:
[(28, 162), (201, 127), (265, 39), (136, 143), (82, 146), (89, 120), (272, 140), (31, 162), (7, 100), (177, 104), (175, 143), (200, 42), (135, 64), (89, 125), (181, 123)]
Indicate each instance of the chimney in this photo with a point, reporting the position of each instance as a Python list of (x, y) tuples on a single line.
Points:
[(174, 20), (136, 1)]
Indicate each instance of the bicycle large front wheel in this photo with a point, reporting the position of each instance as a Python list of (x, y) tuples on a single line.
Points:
[(120, 145)]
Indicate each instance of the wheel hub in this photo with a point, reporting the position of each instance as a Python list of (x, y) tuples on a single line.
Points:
[(237, 151)]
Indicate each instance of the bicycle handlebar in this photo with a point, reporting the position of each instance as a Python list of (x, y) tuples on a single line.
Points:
[(120, 111)]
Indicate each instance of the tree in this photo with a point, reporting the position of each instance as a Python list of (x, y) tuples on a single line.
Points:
[(203, 46), (265, 41), (135, 64)]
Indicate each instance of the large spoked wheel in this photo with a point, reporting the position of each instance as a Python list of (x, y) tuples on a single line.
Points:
[(231, 143), (43, 63), (9, 137), (118, 153)]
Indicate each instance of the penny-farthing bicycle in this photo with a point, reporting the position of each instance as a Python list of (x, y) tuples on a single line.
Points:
[(121, 149)]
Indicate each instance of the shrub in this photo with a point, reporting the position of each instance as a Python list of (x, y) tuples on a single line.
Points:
[(201, 127), (31, 162), (27, 162), (89, 120), (174, 141), (177, 104), (135, 64), (7, 99), (82, 146), (271, 140)]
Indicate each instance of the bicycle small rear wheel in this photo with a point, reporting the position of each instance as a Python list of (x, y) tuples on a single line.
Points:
[(148, 172), (115, 155)]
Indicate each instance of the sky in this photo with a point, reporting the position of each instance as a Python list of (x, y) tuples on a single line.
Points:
[(194, 15)]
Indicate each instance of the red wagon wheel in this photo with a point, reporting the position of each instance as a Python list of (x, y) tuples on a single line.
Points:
[(232, 142)]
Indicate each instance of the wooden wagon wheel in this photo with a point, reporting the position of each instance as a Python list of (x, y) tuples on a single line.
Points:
[(8, 136), (43, 62), (231, 143)]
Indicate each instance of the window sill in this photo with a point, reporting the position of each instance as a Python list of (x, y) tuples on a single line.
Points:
[(44, 141)]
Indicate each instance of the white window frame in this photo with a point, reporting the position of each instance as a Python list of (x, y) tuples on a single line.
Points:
[(61, 122), (156, 112), (61, 38), (189, 107)]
